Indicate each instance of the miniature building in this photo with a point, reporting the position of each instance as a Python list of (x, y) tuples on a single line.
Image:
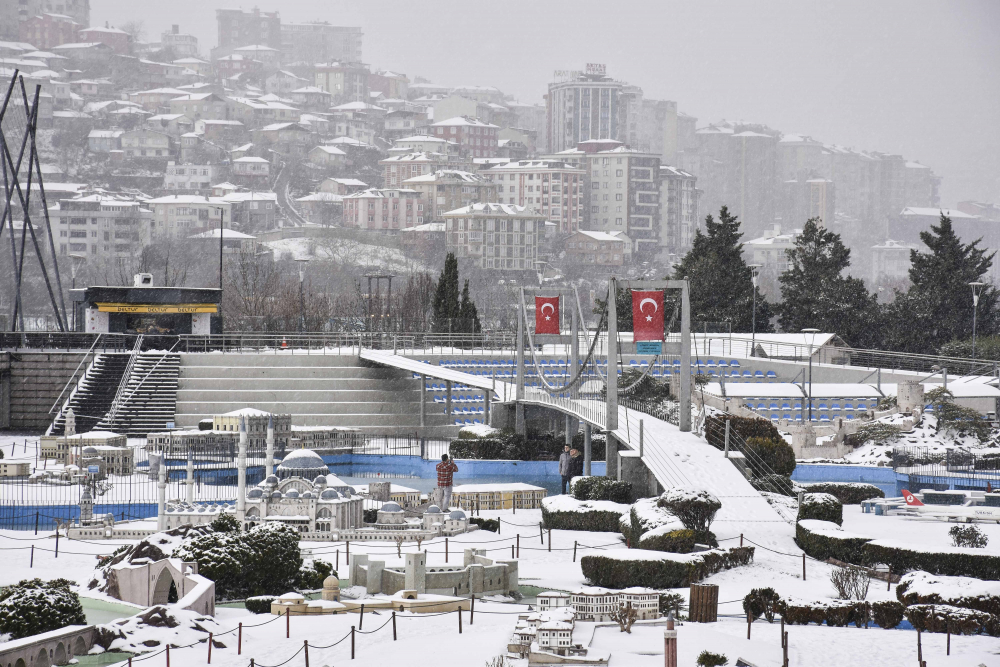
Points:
[(177, 444), (497, 496), (63, 448), (403, 495), (555, 636), (477, 576), (331, 589), (325, 437), (393, 524), (15, 467), (109, 460), (303, 463), (256, 423), (312, 508), (552, 600), (592, 603)]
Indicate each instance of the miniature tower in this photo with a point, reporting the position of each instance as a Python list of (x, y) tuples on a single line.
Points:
[(86, 506), (670, 643), (269, 455), (161, 489), (70, 428), (190, 477), (241, 465)]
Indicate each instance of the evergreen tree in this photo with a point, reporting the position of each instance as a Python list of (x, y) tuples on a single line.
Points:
[(467, 313), (938, 307), (721, 286), (816, 295), (447, 309)]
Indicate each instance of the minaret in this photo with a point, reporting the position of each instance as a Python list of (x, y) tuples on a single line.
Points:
[(241, 466), (269, 457), (670, 643), (190, 477), (161, 488)]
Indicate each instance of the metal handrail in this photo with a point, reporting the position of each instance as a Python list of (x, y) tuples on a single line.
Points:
[(73, 376), (108, 419), (113, 410)]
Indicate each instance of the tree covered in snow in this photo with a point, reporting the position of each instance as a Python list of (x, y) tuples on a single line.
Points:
[(32, 606), (938, 307), (816, 294), (721, 286), (695, 508)]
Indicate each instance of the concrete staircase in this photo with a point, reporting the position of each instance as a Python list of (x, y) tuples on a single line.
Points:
[(147, 396), (36, 380), (317, 390), (95, 393)]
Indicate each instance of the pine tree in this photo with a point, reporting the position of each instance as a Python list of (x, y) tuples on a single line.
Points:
[(816, 295), (938, 307), (447, 309), (468, 315), (721, 286)]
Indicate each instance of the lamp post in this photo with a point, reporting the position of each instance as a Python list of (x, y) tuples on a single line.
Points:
[(754, 278), (73, 267), (812, 340), (976, 291), (302, 292)]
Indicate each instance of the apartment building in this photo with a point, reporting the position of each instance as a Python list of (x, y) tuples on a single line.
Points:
[(238, 27), (585, 105), (100, 226), (386, 210), (475, 138), (321, 42), (398, 168), (554, 189), (447, 189), (678, 209), (347, 81), (604, 249), (190, 178), (625, 197), (495, 236), (180, 216)]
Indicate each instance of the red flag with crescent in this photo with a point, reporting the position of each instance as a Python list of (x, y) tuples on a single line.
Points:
[(647, 315), (546, 315)]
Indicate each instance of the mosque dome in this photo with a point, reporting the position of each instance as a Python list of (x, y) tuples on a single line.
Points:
[(457, 515), (304, 463), (89, 451), (307, 494), (292, 493), (391, 507), (276, 494), (329, 494), (255, 493), (271, 479), (320, 480), (433, 509)]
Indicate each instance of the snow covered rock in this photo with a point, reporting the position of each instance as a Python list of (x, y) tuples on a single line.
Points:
[(155, 628)]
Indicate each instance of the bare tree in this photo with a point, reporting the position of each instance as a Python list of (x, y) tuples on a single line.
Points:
[(253, 283), (136, 30), (625, 616)]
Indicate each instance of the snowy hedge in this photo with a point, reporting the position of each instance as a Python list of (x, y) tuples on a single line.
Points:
[(837, 613), (848, 493), (653, 569), (259, 604), (645, 516), (568, 513), (695, 508), (825, 539), (821, 506), (602, 488), (957, 620), (951, 561), (676, 541), (924, 588), (32, 606)]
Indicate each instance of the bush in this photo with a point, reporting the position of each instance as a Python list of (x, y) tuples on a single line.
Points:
[(848, 493), (259, 604), (836, 613), (823, 546), (851, 582), (942, 618), (311, 577), (225, 523), (492, 525), (762, 602), (369, 515), (887, 614), (669, 571), (770, 456), (923, 588), (562, 513), (774, 483), (709, 659), (968, 536), (678, 541), (695, 508), (745, 427), (822, 507), (671, 602), (602, 488), (33, 606), (642, 517), (265, 560), (877, 433), (954, 563)]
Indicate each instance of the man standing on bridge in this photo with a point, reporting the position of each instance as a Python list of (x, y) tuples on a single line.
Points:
[(564, 467), (446, 471)]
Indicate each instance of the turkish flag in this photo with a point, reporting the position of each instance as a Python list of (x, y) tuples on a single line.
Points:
[(546, 315), (647, 315)]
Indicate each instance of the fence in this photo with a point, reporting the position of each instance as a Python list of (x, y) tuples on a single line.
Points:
[(952, 469)]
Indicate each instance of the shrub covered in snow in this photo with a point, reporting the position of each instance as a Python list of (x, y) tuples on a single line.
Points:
[(680, 541), (837, 613), (225, 523), (745, 427), (312, 575), (32, 606), (492, 525), (259, 604), (643, 517), (822, 507), (923, 588), (651, 569), (968, 536), (951, 561), (762, 602), (709, 659), (567, 513), (825, 539), (887, 614), (945, 618), (602, 488), (775, 483), (263, 560), (770, 456), (848, 493), (695, 508)]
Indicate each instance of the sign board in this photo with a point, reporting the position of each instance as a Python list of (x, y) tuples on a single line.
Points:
[(596, 68), (649, 347), (157, 308), (169, 425), (93, 470)]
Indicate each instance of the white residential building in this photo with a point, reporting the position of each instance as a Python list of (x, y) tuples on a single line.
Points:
[(891, 261), (496, 236), (554, 189), (190, 178)]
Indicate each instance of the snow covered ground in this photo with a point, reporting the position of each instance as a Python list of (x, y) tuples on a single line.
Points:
[(345, 251)]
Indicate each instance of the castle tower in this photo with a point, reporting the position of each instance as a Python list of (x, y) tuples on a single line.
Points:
[(86, 506)]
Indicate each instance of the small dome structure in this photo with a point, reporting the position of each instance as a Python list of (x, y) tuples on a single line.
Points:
[(391, 507), (255, 493), (329, 494), (331, 589), (304, 463), (307, 494), (320, 480), (433, 509), (272, 480), (457, 515), (275, 494), (89, 451), (292, 493)]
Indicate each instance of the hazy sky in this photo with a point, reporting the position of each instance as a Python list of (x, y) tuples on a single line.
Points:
[(915, 77)]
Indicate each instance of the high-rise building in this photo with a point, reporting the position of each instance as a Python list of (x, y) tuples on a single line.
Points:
[(587, 105), (657, 129), (625, 196), (320, 42), (552, 188), (238, 27), (751, 188), (495, 236), (805, 199), (13, 12), (678, 210), (347, 82)]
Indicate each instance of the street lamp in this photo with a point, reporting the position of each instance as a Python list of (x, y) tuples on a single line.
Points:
[(302, 293), (754, 279), (812, 339), (73, 267), (976, 291)]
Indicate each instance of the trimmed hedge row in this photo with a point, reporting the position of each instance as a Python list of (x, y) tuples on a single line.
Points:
[(602, 488), (957, 620), (611, 572), (848, 493), (492, 525), (680, 541), (980, 566), (823, 547), (821, 506), (837, 613), (985, 603), (594, 520), (260, 604)]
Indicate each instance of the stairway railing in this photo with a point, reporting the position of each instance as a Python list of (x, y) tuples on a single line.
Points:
[(65, 404), (113, 413), (123, 385)]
